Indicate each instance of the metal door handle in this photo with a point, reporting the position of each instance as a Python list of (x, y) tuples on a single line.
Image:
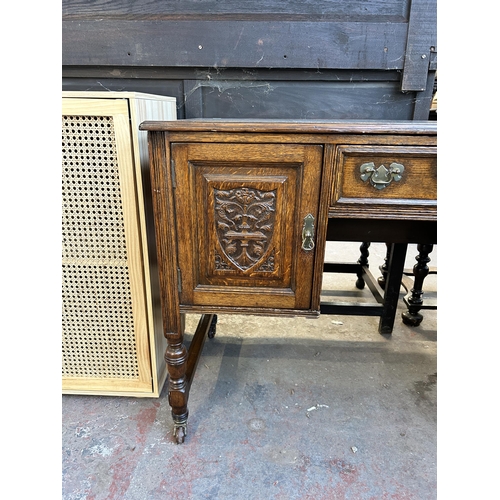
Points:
[(308, 233)]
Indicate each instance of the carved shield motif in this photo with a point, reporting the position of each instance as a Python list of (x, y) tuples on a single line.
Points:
[(245, 220)]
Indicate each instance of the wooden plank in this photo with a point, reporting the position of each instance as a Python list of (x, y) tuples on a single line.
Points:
[(244, 44), (277, 9), (423, 100), (260, 93), (422, 33), (300, 100), (133, 76), (141, 40)]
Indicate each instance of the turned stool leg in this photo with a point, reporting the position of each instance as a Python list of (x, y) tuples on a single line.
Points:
[(362, 261), (414, 300), (213, 327), (384, 268)]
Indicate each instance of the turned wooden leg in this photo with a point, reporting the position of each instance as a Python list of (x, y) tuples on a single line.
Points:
[(176, 356), (395, 265), (362, 261), (414, 300), (384, 268), (182, 365)]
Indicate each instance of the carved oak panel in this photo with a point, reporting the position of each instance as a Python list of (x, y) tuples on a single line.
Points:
[(244, 219)]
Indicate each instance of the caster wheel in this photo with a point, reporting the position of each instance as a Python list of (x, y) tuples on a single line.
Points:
[(180, 434)]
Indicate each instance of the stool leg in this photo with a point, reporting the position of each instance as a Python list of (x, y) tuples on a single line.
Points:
[(395, 266), (414, 300), (363, 261), (213, 327), (384, 268)]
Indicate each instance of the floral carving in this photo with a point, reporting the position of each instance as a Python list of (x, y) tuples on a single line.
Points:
[(220, 263), (268, 265), (244, 219)]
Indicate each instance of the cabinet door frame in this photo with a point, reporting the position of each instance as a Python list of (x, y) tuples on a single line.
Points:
[(294, 171)]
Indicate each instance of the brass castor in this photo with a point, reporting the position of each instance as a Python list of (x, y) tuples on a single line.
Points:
[(180, 432)]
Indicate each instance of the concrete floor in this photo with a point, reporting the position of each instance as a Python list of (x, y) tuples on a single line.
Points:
[(280, 408)]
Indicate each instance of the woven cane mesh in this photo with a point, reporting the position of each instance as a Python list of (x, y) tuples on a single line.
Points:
[(98, 326)]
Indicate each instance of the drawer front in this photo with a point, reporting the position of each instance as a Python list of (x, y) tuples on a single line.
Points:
[(379, 181)]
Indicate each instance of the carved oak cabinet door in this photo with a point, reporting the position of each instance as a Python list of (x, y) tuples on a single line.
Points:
[(245, 218)]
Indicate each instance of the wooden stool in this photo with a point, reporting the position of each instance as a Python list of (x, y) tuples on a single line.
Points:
[(414, 287)]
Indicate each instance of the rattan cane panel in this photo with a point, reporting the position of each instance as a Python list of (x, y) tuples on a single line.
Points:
[(98, 323), (98, 326), (92, 208)]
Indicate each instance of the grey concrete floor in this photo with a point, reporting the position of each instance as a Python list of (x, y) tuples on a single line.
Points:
[(280, 408)]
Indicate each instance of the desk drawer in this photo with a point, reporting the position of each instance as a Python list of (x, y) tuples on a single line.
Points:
[(380, 181)]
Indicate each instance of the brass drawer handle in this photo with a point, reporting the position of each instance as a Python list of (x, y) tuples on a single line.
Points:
[(308, 233), (382, 176)]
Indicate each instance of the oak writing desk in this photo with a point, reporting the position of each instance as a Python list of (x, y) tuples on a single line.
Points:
[(243, 210)]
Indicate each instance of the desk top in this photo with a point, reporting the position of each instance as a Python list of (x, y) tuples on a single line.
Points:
[(295, 126)]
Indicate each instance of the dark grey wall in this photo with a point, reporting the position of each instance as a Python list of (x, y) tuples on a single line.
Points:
[(367, 59)]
